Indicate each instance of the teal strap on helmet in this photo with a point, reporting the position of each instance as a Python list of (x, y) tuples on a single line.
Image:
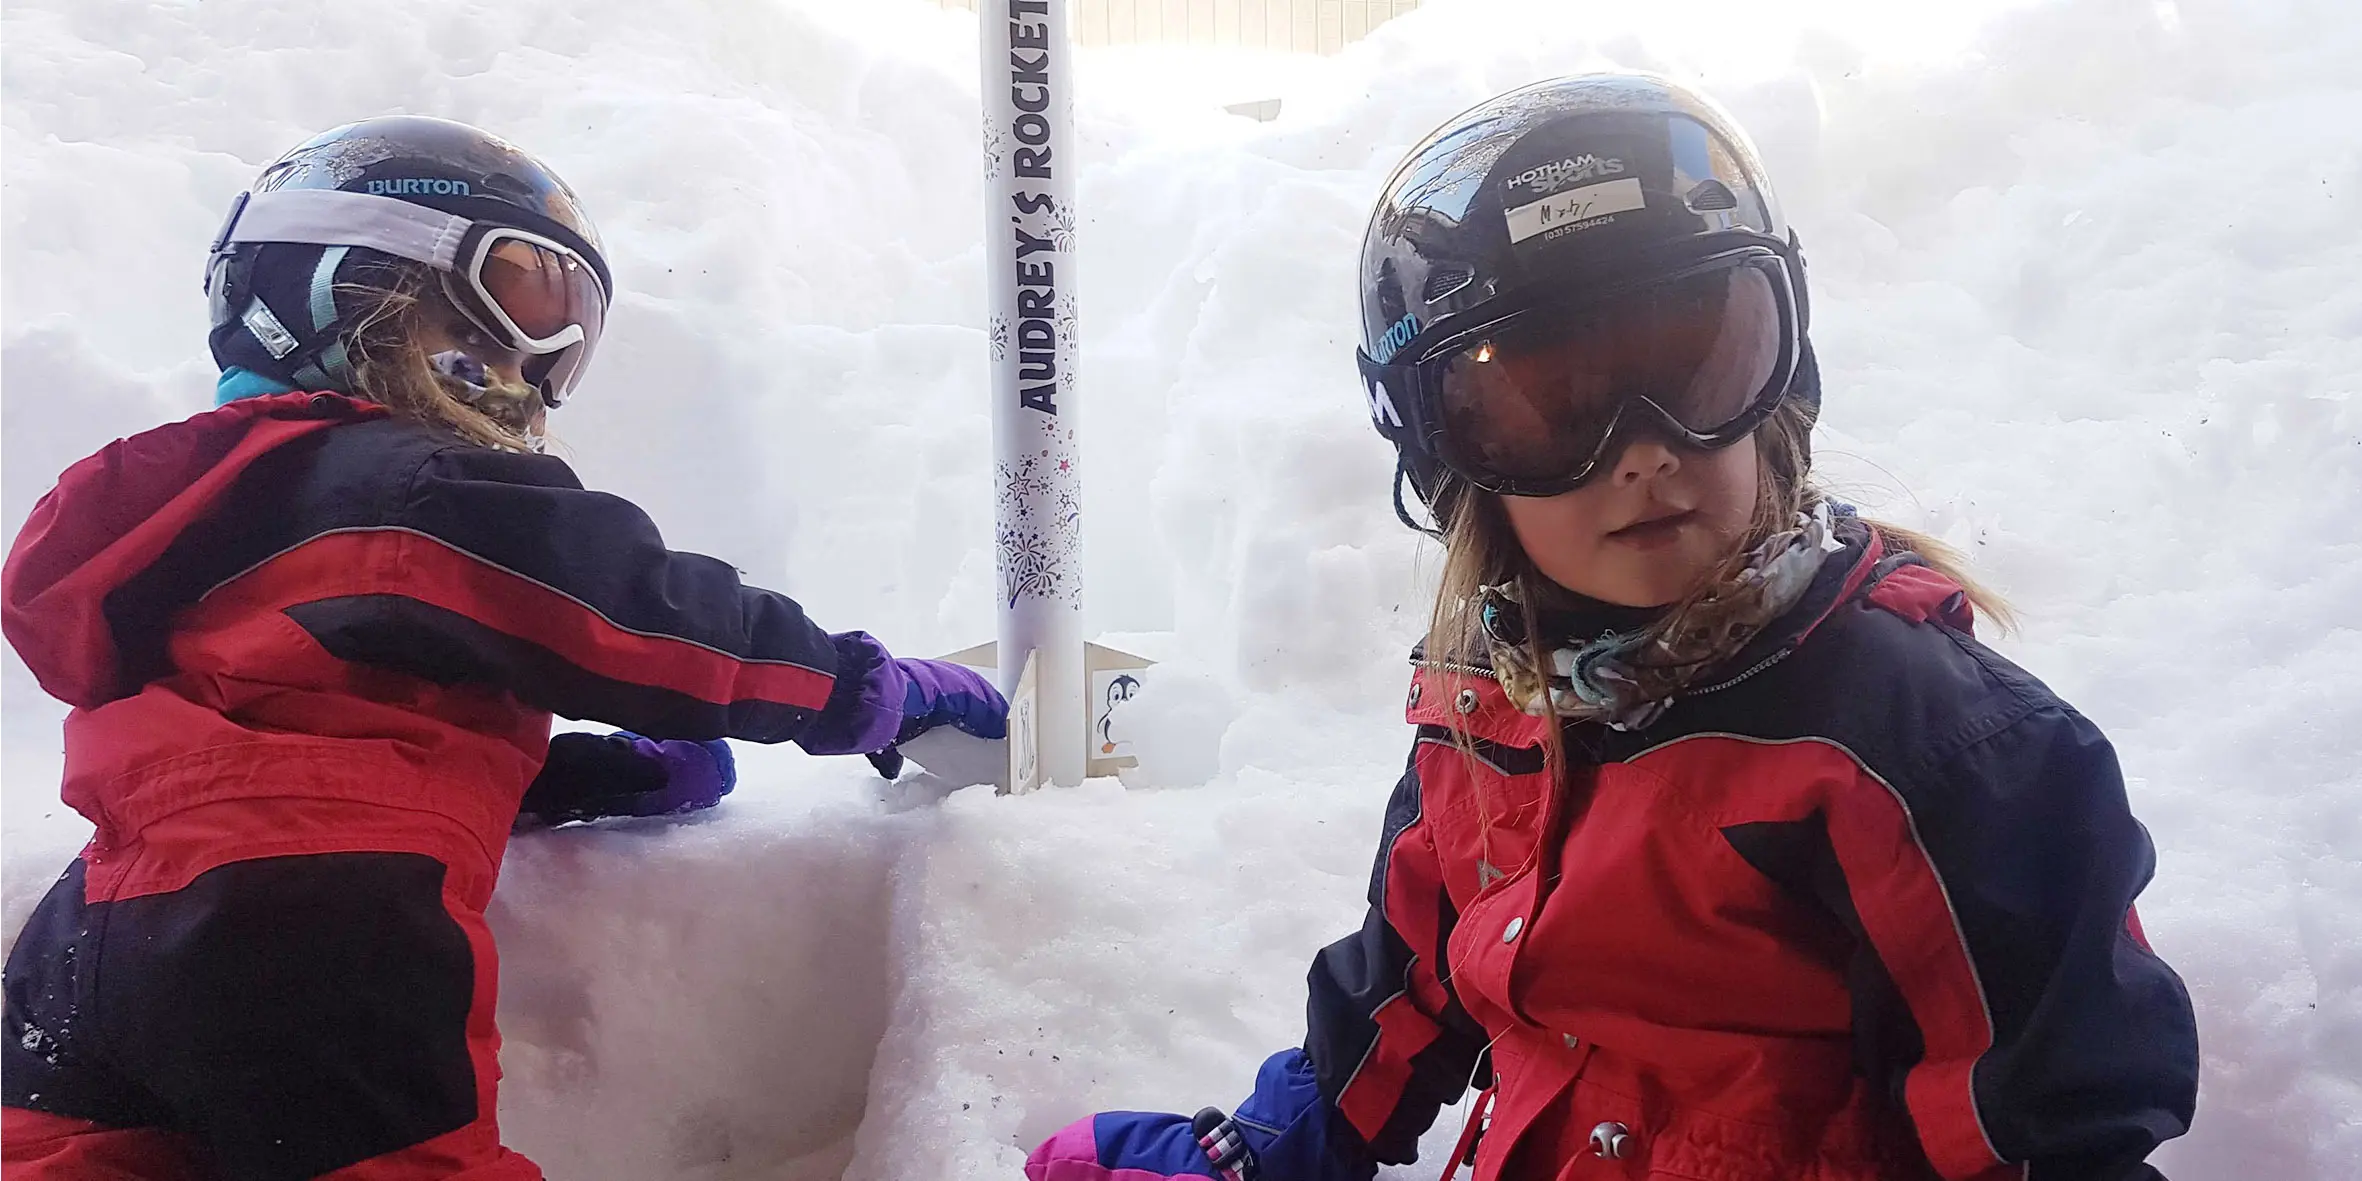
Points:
[(324, 286), (333, 365), (338, 367), (310, 377)]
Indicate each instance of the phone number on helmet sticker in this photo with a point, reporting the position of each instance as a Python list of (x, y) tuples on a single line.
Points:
[(1574, 207)]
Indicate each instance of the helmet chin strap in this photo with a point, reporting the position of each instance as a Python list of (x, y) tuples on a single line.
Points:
[(1402, 512), (331, 367)]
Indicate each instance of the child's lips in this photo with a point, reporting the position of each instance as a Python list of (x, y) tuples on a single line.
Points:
[(1655, 531)]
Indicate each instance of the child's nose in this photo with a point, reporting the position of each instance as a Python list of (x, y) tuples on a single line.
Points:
[(1645, 457)]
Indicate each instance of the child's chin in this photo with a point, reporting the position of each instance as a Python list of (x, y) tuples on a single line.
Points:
[(1652, 581)]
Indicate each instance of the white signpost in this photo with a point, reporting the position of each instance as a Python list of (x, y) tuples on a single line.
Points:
[(1029, 240), (1064, 694)]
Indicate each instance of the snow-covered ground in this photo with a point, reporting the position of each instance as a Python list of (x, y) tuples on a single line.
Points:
[(2088, 288)]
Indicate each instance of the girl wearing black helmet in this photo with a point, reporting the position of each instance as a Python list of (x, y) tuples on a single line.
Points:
[(1724, 850), (313, 640)]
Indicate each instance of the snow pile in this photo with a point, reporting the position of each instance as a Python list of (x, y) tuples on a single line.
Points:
[(2084, 291)]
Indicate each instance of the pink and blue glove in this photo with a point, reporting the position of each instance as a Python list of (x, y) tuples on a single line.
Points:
[(593, 776), (1283, 1132), (880, 702)]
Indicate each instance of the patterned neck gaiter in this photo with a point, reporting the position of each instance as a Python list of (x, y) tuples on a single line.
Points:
[(1626, 679)]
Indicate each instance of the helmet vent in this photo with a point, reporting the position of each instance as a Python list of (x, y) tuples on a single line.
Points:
[(1445, 282), (1712, 196)]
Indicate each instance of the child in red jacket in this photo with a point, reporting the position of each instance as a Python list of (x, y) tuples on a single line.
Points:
[(1724, 852), (313, 640)]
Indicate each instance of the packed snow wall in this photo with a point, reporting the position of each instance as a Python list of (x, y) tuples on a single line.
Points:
[(2084, 287)]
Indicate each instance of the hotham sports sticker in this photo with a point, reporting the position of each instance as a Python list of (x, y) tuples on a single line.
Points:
[(1575, 206)]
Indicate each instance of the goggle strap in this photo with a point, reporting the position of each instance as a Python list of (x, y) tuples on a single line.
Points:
[(332, 217)]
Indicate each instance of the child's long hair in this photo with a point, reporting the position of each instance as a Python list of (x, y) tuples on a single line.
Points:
[(1481, 550), (391, 366)]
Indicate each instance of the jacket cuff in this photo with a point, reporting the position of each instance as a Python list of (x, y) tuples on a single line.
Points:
[(864, 710)]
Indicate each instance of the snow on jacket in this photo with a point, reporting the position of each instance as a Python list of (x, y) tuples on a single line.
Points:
[(1860, 908)]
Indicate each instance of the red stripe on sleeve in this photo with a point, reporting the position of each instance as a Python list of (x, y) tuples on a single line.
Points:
[(413, 565)]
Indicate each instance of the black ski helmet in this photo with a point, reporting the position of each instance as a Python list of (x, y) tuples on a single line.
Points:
[(272, 293), (1462, 233)]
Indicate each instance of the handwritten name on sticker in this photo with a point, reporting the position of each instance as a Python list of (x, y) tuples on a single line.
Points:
[(1574, 207)]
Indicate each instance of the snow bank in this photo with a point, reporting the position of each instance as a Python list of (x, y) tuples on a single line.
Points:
[(2084, 291)]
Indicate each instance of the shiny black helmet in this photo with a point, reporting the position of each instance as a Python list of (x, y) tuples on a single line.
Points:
[(1577, 208), (512, 245)]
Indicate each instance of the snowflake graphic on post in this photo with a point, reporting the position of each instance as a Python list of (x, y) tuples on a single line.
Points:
[(998, 333), (996, 149), (1040, 519), (1022, 485), (1062, 227), (1032, 561), (1028, 566), (1066, 308)]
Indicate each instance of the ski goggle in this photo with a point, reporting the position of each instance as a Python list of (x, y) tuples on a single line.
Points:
[(1541, 400), (534, 296), (528, 292)]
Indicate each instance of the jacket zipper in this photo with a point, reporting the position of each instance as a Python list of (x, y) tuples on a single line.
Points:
[(1464, 669), (1490, 675), (1759, 666)]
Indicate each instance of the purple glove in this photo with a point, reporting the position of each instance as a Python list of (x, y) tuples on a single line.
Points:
[(879, 701), (945, 694), (1281, 1133), (590, 776)]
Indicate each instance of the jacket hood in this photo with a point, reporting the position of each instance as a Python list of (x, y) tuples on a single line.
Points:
[(114, 514)]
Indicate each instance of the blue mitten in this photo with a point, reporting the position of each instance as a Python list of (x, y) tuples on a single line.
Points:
[(1281, 1133)]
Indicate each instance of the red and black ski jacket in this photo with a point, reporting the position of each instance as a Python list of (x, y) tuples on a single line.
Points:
[(1860, 907), (302, 598)]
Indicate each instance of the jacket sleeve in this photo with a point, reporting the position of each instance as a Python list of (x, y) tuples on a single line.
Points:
[(505, 571), (2011, 1000), (1390, 1044)]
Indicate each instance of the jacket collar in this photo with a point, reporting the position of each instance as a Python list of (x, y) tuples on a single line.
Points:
[(1469, 697)]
